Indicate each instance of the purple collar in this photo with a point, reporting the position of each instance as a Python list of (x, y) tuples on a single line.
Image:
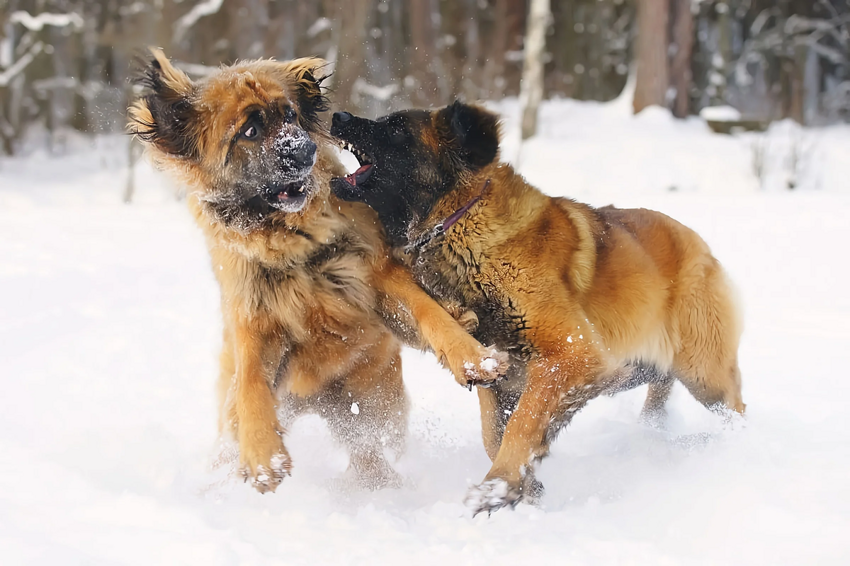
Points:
[(441, 228)]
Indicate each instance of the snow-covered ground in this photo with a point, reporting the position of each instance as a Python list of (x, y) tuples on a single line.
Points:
[(109, 332)]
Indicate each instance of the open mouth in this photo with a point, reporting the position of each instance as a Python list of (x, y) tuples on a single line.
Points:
[(289, 197), (367, 165)]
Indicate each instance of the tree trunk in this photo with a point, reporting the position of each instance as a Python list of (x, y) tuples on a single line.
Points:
[(248, 23), (651, 57), (353, 16), (797, 94), (680, 67), (424, 45), (493, 81), (471, 85), (531, 87)]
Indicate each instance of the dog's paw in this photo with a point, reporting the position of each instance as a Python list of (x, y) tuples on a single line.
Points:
[(473, 364), (491, 496), (491, 367), (266, 477)]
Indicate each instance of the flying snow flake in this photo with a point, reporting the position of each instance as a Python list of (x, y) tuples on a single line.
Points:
[(355, 408)]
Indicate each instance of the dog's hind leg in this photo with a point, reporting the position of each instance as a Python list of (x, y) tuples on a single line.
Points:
[(653, 411), (709, 334), (637, 374), (369, 414), (715, 385)]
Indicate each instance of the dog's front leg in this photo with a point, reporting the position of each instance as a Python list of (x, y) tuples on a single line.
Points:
[(469, 361), (559, 382), (262, 456)]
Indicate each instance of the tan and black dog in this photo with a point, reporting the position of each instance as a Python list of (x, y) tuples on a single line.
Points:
[(587, 301), (307, 284)]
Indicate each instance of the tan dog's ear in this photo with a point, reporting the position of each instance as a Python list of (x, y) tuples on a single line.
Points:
[(305, 76), (472, 131), (164, 115)]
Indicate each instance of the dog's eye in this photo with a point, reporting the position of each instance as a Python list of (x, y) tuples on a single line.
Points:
[(289, 115), (250, 131)]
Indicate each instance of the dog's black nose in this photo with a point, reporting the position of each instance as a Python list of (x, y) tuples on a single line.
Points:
[(303, 153), (342, 117)]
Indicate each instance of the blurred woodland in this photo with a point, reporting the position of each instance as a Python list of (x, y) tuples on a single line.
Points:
[(66, 64)]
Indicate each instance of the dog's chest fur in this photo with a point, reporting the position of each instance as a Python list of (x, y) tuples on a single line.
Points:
[(317, 287), (453, 274), (333, 271)]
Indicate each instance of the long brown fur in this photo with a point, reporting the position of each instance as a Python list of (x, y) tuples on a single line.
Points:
[(588, 301), (306, 296)]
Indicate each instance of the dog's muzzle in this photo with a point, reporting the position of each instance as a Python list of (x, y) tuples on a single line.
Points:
[(296, 149)]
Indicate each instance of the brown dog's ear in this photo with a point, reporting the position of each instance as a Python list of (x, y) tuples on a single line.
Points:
[(474, 131), (306, 78), (164, 115)]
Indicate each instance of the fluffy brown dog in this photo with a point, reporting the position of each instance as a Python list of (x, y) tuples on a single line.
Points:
[(306, 280), (587, 301)]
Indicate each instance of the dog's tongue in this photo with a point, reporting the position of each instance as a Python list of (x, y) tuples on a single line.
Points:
[(353, 178)]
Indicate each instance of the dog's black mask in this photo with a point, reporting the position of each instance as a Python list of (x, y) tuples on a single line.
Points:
[(410, 159)]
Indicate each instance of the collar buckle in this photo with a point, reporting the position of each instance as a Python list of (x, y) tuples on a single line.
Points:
[(441, 228)]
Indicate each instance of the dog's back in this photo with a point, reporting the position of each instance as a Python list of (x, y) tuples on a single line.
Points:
[(691, 326)]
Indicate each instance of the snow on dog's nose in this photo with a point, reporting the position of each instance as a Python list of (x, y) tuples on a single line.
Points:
[(296, 147)]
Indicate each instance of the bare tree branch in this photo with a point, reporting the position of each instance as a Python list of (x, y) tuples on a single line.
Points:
[(21, 64)]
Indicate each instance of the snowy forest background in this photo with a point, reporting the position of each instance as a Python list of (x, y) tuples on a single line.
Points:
[(65, 64), (110, 322)]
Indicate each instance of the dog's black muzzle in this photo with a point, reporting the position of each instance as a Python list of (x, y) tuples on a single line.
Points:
[(344, 125)]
